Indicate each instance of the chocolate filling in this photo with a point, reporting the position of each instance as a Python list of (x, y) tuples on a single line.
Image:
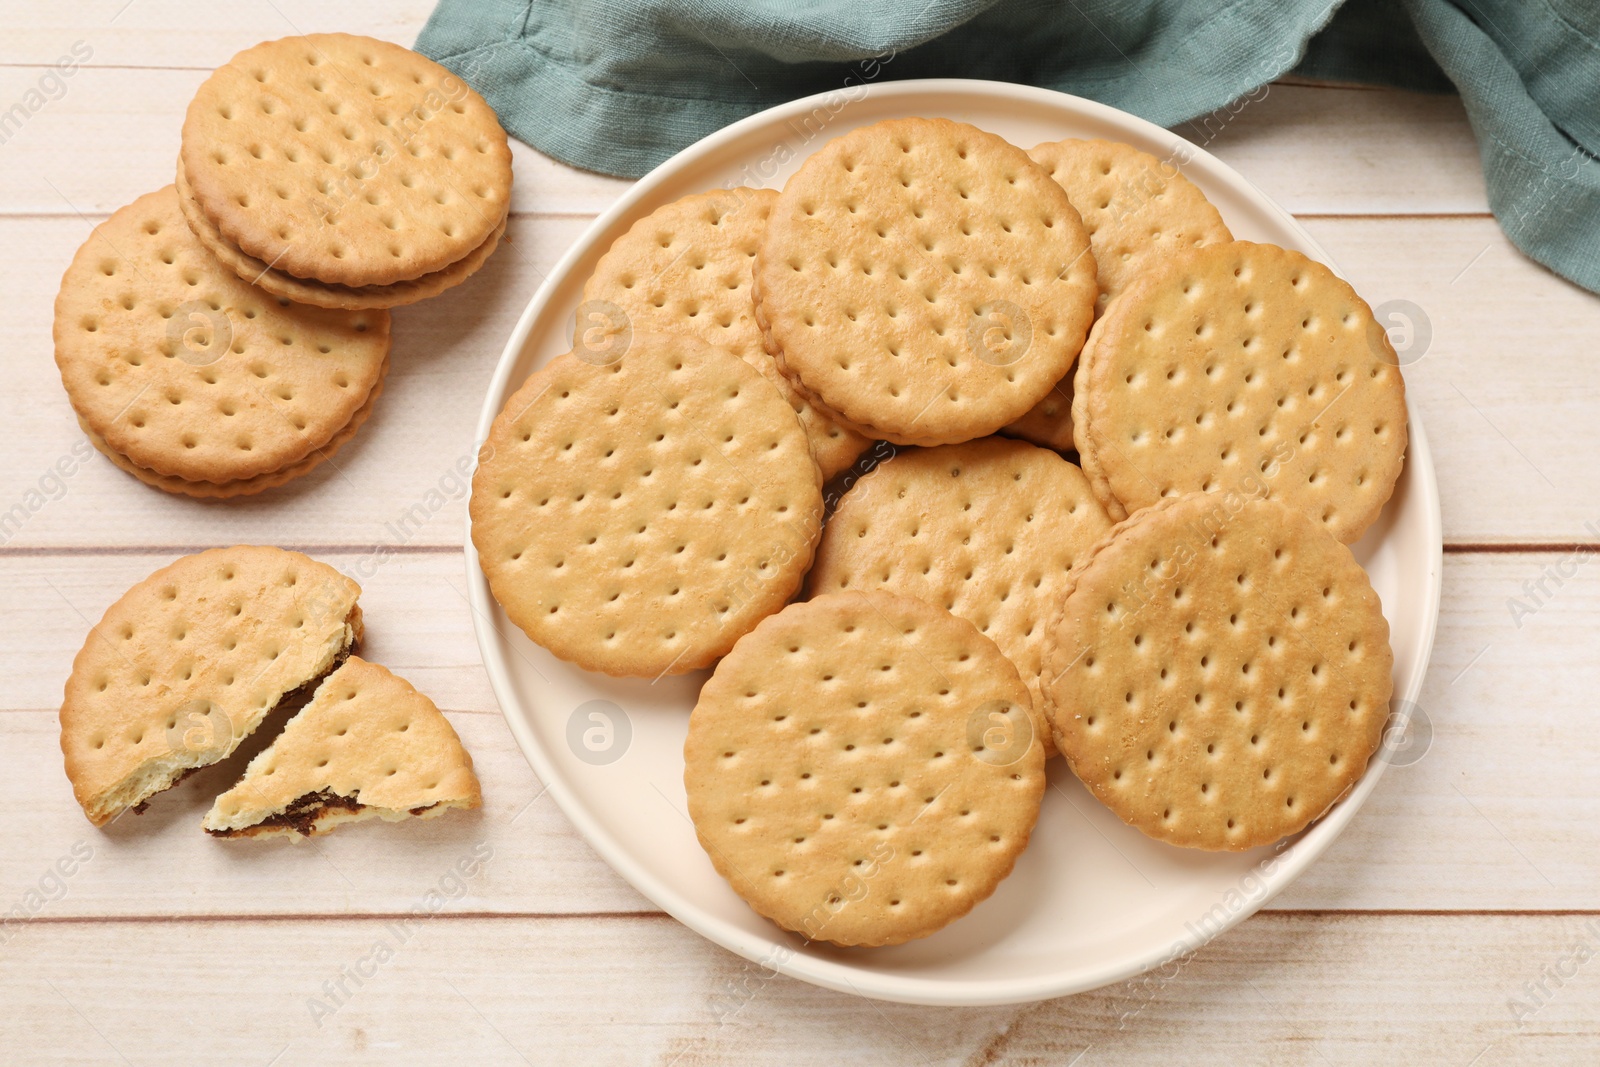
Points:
[(300, 816), (301, 695), (290, 703)]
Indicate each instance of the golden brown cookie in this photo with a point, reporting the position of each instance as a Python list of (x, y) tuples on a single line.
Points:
[(368, 745), (1219, 674), (325, 294), (189, 661), (1139, 211), (245, 486), (987, 529), (1242, 366), (1048, 423), (685, 268), (637, 516), (188, 372), (346, 160), (860, 768), (924, 280)]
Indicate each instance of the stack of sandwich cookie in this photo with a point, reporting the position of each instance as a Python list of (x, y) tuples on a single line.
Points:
[(344, 171), (324, 172)]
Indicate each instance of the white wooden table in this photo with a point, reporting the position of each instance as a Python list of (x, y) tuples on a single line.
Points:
[(1469, 885)]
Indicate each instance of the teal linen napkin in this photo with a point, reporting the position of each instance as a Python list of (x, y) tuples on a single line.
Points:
[(617, 86)]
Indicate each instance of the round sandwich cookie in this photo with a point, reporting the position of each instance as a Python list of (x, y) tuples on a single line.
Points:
[(924, 280), (861, 770), (189, 661), (325, 294), (1220, 671), (194, 380), (345, 160), (244, 486), (367, 746), (987, 529), (637, 513), (1242, 366), (1139, 211), (686, 268)]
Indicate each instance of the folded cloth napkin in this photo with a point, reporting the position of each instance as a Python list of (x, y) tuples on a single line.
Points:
[(617, 86)]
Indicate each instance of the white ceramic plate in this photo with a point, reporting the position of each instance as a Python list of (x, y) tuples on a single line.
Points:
[(1091, 901)]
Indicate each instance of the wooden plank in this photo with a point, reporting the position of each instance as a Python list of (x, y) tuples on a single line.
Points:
[(1469, 826), (1507, 387), (113, 135), (541, 864), (417, 619), (1396, 152), (1282, 989), (1471, 822), (444, 353), (1507, 390), (190, 33)]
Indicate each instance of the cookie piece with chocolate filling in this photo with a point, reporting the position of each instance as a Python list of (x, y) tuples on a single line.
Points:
[(189, 662), (367, 746)]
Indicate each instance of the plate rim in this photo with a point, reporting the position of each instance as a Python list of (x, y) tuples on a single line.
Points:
[(1293, 860)]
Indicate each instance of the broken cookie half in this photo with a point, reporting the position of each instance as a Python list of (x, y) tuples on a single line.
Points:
[(189, 662), (368, 745)]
